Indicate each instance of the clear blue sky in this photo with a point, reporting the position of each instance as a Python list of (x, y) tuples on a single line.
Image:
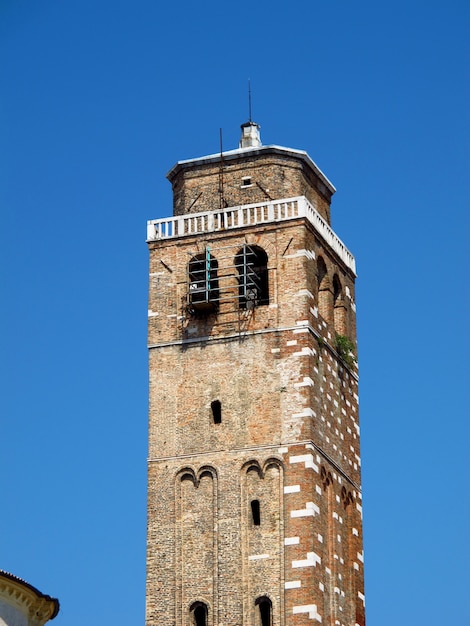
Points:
[(99, 99)]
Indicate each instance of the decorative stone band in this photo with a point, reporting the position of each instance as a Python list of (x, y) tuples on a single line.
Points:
[(249, 215)]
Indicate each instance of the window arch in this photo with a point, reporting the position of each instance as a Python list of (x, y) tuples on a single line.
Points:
[(339, 307), (203, 283), (264, 611), (325, 294), (337, 288), (199, 614), (253, 283), (321, 271)]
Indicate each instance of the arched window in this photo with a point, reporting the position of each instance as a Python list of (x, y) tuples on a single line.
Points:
[(339, 312), (264, 611), (321, 271), (337, 289), (199, 614), (203, 283), (325, 294), (253, 285)]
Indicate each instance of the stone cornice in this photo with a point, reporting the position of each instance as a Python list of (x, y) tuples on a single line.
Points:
[(250, 152), (37, 606)]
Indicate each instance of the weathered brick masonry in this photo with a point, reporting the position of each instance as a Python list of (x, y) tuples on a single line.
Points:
[(254, 502)]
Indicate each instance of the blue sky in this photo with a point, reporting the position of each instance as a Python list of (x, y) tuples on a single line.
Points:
[(98, 100)]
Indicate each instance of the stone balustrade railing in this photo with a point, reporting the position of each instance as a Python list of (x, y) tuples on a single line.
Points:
[(249, 215)]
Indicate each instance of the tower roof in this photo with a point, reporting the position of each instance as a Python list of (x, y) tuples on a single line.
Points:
[(250, 146)]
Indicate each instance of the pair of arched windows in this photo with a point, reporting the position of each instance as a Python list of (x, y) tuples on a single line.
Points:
[(251, 264), (263, 605)]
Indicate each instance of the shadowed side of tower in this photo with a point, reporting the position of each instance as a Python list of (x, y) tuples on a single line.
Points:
[(254, 502)]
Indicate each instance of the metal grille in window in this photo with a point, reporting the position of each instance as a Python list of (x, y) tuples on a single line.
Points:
[(252, 265), (203, 283)]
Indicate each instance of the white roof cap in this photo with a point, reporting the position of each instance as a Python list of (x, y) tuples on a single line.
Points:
[(250, 135)]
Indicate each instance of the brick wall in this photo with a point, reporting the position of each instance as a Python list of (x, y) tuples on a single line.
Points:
[(288, 437), (245, 179)]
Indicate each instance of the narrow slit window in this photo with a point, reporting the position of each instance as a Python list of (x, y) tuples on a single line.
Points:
[(264, 611), (199, 613), (255, 512), (200, 616), (246, 181), (216, 407)]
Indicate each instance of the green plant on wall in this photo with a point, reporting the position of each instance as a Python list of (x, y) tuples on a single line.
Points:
[(346, 350)]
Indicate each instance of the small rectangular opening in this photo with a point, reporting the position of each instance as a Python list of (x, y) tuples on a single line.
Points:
[(246, 181), (255, 514), (216, 411)]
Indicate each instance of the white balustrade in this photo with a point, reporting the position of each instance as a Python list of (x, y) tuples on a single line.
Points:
[(245, 216)]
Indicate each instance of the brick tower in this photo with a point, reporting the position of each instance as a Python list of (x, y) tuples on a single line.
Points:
[(254, 496)]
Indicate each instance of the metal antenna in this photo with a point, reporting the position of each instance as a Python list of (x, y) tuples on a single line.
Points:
[(249, 101), (221, 174)]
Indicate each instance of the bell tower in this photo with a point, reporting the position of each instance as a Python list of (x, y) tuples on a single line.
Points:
[(254, 493)]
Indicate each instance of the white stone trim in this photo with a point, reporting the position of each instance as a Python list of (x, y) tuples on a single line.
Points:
[(311, 609), (311, 561), (307, 459), (292, 489), (249, 215), (306, 382), (291, 541), (311, 509), (257, 557), (292, 584)]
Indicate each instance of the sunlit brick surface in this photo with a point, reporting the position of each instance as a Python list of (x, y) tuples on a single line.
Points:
[(289, 431)]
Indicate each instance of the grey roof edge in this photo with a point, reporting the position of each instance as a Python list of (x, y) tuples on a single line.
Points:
[(242, 152)]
